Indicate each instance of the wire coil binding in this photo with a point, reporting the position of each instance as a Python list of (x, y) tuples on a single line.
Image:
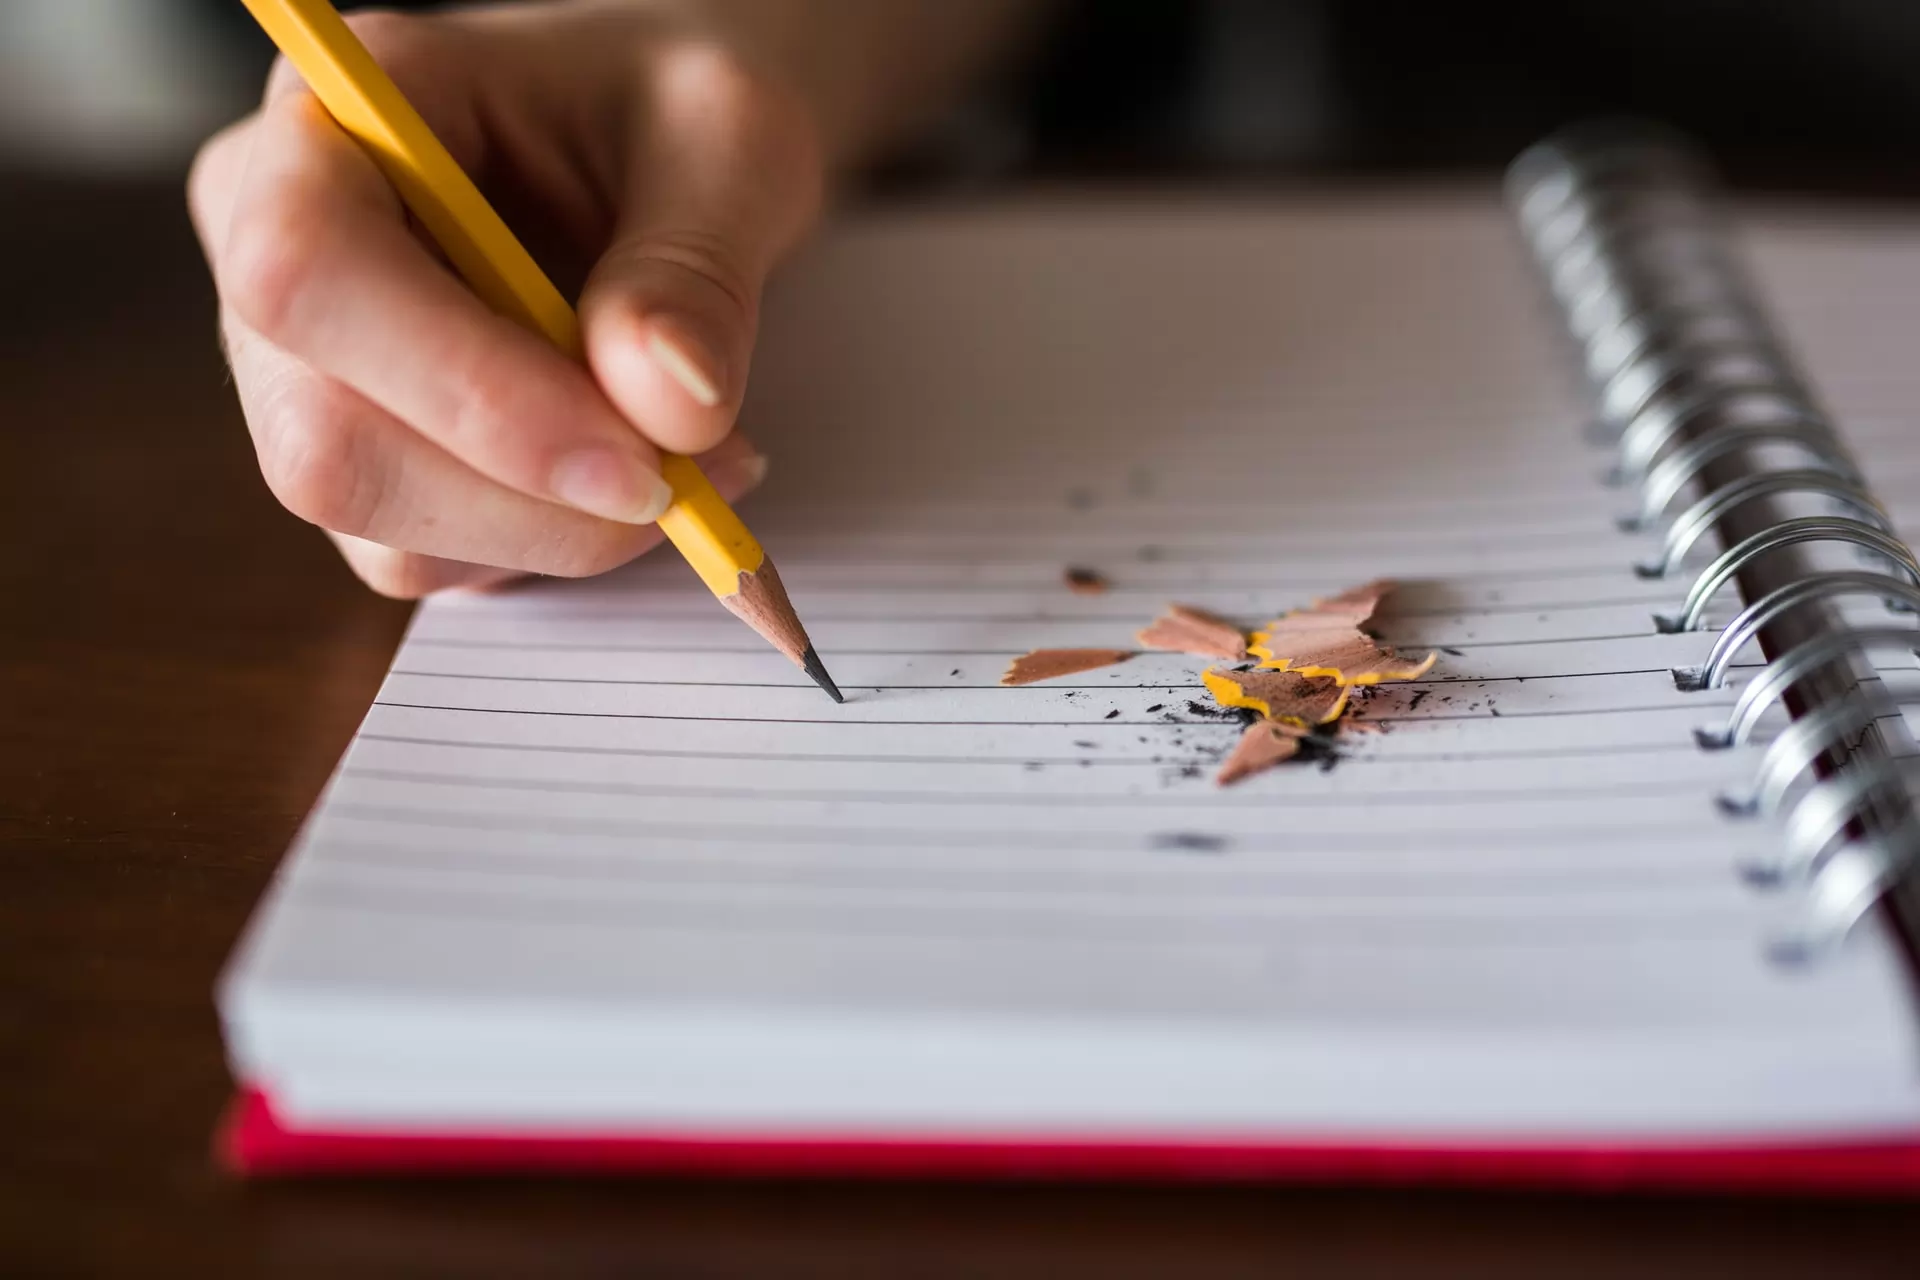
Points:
[(1687, 375)]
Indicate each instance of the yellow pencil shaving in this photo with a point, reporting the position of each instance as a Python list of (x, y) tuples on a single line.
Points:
[(1368, 663), (1303, 709), (1260, 645)]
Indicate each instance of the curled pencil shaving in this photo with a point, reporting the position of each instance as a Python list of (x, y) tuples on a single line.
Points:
[(1045, 664), (1290, 705), (1356, 604), (1182, 628), (1264, 744), (1325, 639), (1281, 696), (1352, 660)]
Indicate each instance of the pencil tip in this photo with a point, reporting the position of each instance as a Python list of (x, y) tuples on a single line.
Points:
[(761, 602), (817, 671)]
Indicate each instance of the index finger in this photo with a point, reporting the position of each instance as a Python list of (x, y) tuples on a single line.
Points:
[(319, 259)]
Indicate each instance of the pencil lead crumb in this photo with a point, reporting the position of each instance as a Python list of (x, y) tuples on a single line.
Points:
[(1086, 582)]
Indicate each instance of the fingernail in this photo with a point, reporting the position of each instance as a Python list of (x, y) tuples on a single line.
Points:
[(605, 482), (676, 357), (739, 476)]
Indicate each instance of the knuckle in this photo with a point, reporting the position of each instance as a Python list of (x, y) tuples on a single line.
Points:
[(282, 77), (310, 460), (713, 77), (592, 552), (708, 255), (397, 41), (487, 410), (440, 67), (197, 180), (212, 160), (767, 126), (274, 251)]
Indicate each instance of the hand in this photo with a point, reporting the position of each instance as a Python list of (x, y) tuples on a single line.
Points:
[(439, 444)]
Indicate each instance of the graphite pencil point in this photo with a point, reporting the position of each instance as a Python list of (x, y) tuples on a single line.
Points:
[(817, 671)]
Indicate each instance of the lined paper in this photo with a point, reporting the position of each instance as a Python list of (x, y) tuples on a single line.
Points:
[(597, 858)]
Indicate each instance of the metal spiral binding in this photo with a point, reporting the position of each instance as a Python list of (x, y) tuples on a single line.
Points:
[(1705, 515), (1787, 533), (1752, 620), (1759, 694), (1688, 378)]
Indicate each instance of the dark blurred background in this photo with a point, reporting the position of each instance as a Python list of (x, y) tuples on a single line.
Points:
[(1788, 93), (103, 101)]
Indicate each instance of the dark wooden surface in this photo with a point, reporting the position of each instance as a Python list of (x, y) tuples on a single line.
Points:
[(180, 664)]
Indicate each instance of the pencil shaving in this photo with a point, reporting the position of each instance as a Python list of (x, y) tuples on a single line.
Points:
[(1263, 745), (1324, 624), (1182, 628), (1047, 664), (1312, 659), (1325, 639), (1354, 660), (1285, 696)]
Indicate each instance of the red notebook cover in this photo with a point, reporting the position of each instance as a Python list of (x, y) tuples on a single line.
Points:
[(254, 1141)]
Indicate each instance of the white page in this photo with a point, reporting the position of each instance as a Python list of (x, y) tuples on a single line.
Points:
[(598, 858)]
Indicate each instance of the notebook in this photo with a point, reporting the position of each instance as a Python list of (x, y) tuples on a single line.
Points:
[(602, 883)]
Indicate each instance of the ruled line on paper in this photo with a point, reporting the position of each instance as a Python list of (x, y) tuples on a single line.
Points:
[(770, 838), (1467, 645), (1002, 880), (1135, 619), (800, 844), (937, 551), (994, 687), (1225, 801), (1049, 687), (1494, 926), (1676, 744), (1050, 724), (1503, 562), (590, 599), (1139, 854), (839, 574), (1025, 578)]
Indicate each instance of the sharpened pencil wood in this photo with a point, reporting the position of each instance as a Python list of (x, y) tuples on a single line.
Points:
[(761, 602)]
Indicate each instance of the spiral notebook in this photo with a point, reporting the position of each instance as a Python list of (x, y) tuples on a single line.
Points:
[(1616, 895)]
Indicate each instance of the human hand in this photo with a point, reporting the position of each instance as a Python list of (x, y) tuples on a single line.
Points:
[(439, 444)]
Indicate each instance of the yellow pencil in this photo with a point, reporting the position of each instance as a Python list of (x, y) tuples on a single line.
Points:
[(370, 107)]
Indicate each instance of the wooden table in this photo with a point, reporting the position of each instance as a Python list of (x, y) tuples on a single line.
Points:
[(180, 665)]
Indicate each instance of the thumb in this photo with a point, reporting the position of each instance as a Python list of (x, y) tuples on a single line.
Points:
[(724, 176)]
